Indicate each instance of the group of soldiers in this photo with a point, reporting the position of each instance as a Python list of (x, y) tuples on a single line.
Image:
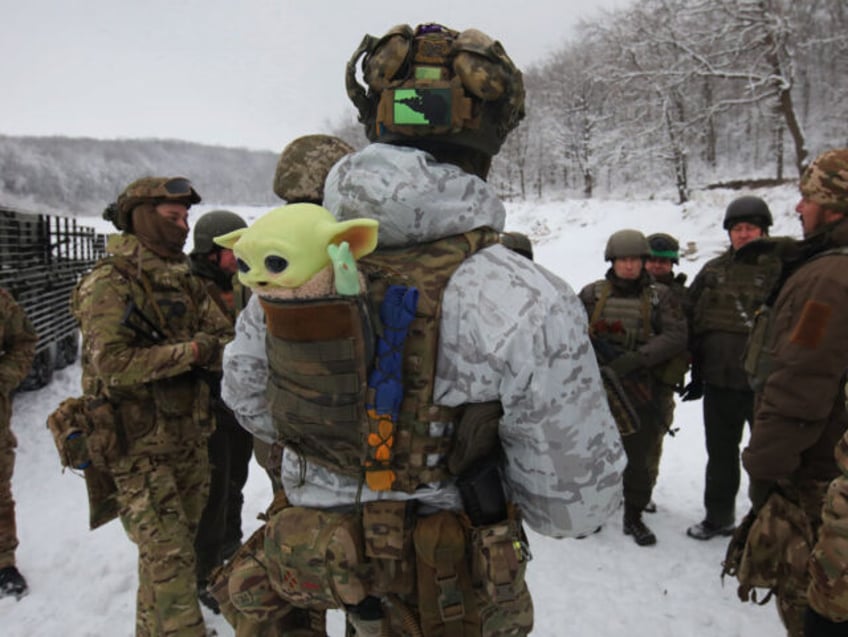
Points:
[(762, 327), (407, 512), (648, 329)]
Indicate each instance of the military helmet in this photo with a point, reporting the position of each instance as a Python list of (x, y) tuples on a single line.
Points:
[(154, 190), (437, 84), (304, 165), (749, 209), (825, 181), (626, 243), (664, 246), (213, 224)]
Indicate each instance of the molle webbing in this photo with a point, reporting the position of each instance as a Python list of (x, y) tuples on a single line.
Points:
[(318, 357), (427, 267), (319, 354), (633, 312), (735, 293)]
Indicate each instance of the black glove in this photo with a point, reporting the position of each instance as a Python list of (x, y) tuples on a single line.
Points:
[(816, 625), (626, 364), (207, 349), (693, 391)]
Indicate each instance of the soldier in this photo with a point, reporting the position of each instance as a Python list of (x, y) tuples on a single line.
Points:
[(16, 354), (301, 170), (665, 254), (827, 594), (230, 446), (723, 298), (800, 410), (152, 340), (637, 328), (483, 403)]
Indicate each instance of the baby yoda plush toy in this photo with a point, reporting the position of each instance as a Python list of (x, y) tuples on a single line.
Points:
[(301, 251)]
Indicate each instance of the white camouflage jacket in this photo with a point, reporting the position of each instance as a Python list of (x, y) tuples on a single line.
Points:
[(510, 331)]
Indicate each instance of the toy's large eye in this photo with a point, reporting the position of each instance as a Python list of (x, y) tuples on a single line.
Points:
[(275, 264), (242, 266)]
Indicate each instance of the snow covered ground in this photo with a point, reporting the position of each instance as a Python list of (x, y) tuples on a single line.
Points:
[(83, 583)]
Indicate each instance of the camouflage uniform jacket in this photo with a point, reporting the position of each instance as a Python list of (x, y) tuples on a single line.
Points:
[(828, 591), (162, 400), (18, 340), (723, 298), (510, 331), (800, 414)]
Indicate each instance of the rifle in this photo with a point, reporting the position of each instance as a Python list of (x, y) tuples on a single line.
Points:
[(135, 319), (623, 411)]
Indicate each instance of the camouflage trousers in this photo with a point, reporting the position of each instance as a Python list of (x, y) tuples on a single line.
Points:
[(161, 499), (8, 532), (428, 576)]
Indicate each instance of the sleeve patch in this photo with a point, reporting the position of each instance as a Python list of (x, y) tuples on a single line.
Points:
[(812, 325)]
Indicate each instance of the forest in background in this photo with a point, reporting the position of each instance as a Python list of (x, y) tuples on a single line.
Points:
[(654, 100), (82, 175)]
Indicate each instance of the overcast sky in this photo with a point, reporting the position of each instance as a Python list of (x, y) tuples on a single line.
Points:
[(244, 73)]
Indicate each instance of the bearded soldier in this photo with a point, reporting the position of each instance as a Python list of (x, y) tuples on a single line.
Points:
[(800, 412), (152, 340), (412, 521)]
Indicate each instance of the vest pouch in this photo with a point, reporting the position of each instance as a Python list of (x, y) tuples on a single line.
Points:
[(446, 602), (387, 527), (242, 587), (499, 557), (315, 558), (105, 440), (776, 549), (757, 359), (69, 426), (136, 414), (319, 351), (85, 433)]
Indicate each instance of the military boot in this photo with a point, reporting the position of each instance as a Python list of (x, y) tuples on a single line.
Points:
[(633, 525), (12, 583)]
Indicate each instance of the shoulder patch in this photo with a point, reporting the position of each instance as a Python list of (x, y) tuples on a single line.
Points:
[(811, 327)]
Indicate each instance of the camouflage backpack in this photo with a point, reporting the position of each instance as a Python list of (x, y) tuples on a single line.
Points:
[(322, 351), (770, 549)]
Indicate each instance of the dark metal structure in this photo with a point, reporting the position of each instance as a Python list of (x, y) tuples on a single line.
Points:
[(42, 256)]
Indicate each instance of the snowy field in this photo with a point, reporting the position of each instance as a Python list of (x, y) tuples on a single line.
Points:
[(83, 583)]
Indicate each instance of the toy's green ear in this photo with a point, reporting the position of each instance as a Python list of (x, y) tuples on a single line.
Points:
[(360, 234), (229, 240)]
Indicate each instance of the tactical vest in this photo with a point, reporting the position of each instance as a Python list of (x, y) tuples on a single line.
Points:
[(635, 315), (732, 293), (320, 353)]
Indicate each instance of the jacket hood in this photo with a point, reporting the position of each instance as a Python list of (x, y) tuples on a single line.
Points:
[(415, 198)]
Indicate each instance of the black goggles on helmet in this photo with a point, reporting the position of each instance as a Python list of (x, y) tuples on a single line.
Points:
[(178, 187)]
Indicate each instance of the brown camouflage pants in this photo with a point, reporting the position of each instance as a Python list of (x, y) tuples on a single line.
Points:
[(161, 499), (8, 534)]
